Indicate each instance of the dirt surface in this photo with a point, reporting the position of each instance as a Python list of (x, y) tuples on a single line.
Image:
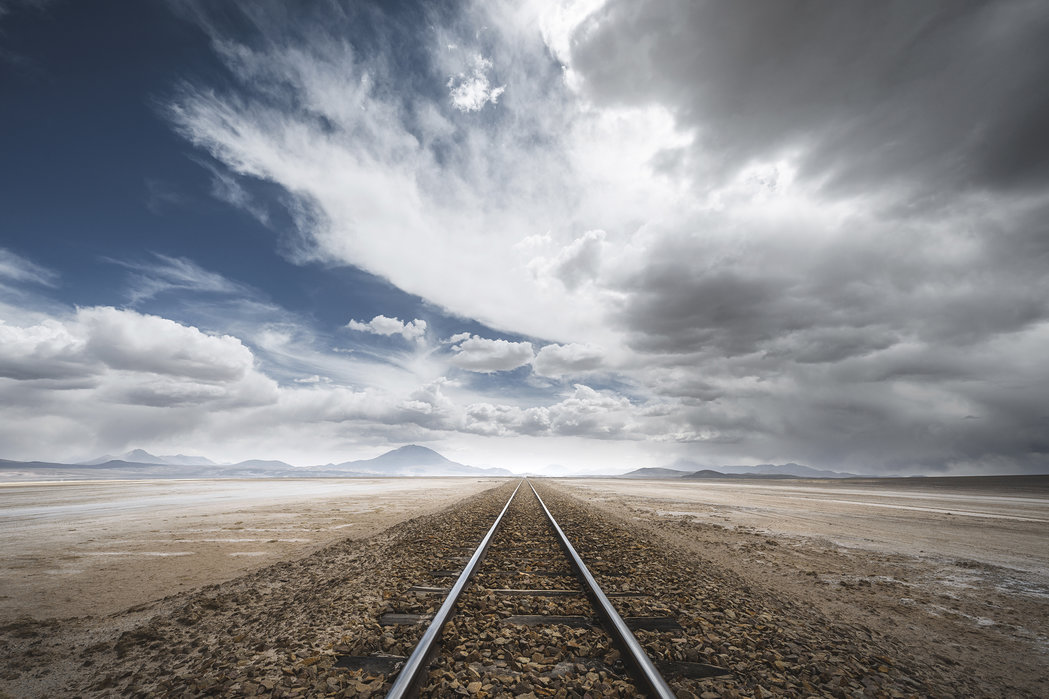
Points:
[(958, 575), (788, 614), (273, 631), (98, 547)]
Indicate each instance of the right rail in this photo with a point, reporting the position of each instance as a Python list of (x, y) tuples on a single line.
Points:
[(634, 655)]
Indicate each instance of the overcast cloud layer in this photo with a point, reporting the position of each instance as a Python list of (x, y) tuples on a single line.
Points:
[(734, 232)]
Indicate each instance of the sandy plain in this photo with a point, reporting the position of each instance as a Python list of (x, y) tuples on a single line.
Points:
[(96, 547), (956, 570)]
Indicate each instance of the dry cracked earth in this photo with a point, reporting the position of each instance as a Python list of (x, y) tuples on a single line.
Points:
[(301, 627)]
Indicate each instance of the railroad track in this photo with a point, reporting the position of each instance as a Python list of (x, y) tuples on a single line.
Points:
[(525, 615)]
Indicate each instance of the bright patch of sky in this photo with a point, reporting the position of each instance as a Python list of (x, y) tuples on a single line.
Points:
[(551, 236)]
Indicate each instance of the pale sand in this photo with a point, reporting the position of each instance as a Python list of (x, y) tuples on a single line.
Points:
[(98, 547), (1003, 526)]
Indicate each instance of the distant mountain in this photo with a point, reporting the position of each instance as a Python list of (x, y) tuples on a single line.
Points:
[(260, 465), (93, 462), (413, 460), (708, 473), (655, 472), (141, 456), (789, 469), (184, 460), (688, 469)]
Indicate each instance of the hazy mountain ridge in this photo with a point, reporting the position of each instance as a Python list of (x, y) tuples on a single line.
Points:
[(655, 472), (685, 468), (408, 461), (141, 456)]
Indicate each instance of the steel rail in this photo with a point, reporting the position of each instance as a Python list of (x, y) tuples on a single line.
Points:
[(407, 682), (635, 655)]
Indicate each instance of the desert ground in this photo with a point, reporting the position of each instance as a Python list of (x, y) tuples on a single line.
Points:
[(955, 569), (953, 572), (97, 547)]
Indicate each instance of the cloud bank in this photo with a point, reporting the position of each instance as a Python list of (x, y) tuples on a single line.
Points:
[(815, 237), (727, 231)]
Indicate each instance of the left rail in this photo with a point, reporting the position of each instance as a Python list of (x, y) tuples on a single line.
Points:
[(411, 675)]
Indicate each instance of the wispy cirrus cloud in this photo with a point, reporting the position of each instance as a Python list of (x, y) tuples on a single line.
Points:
[(162, 274), (18, 269)]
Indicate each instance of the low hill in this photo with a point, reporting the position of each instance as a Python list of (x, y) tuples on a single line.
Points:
[(413, 460), (707, 473), (790, 469), (654, 472)]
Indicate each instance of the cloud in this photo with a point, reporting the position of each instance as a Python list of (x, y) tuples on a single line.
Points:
[(175, 274), (313, 379), (386, 177), (584, 412), (818, 239), (381, 325), (575, 264), (226, 187), (45, 351), (924, 98), (559, 360), (102, 340), (482, 355), (471, 90), (15, 268), (105, 379)]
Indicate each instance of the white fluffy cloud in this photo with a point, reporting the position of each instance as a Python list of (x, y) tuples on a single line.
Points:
[(482, 355), (381, 325), (585, 412), (131, 354), (103, 377), (559, 360), (471, 90), (575, 264)]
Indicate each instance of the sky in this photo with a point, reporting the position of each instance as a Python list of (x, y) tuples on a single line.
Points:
[(562, 237)]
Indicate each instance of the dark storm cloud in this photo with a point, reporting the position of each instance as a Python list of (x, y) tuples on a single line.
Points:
[(925, 96), (959, 281)]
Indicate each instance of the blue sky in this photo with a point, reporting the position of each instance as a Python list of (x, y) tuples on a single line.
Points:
[(556, 236)]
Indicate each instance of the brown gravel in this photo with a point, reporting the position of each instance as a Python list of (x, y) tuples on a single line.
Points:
[(280, 631), (486, 653)]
